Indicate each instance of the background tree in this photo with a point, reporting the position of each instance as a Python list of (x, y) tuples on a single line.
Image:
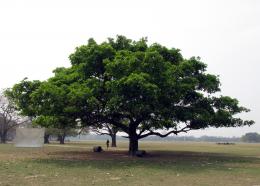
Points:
[(63, 133), (48, 133), (106, 129), (251, 137), (59, 134), (9, 117), (20, 94), (46, 103), (140, 89)]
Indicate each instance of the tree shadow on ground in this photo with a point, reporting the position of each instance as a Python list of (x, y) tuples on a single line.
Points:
[(168, 160)]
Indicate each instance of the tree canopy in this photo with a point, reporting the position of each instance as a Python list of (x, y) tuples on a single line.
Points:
[(141, 89)]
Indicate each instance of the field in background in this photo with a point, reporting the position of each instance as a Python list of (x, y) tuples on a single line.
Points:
[(168, 163)]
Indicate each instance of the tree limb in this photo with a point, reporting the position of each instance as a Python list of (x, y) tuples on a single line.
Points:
[(185, 129)]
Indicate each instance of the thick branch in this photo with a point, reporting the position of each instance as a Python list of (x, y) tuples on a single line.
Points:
[(118, 124), (185, 129), (141, 132), (100, 132)]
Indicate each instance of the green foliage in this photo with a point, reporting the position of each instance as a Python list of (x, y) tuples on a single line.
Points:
[(54, 132), (135, 87), (20, 94)]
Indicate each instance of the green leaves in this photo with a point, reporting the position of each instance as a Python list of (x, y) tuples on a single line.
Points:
[(20, 94), (132, 85), (89, 58)]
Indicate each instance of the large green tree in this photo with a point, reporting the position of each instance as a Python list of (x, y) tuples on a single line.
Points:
[(141, 89)]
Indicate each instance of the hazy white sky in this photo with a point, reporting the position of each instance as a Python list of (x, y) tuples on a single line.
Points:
[(37, 36)]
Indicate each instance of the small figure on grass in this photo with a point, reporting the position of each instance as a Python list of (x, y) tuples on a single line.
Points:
[(107, 143)]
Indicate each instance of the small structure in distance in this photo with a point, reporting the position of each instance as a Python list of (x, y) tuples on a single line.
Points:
[(29, 137)]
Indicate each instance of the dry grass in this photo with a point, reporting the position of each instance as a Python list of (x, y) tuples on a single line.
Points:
[(167, 164)]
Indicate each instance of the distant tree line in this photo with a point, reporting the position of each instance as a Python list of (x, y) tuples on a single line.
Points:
[(198, 139), (156, 138), (251, 137)]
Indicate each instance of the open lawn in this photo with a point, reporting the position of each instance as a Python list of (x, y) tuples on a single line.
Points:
[(168, 163)]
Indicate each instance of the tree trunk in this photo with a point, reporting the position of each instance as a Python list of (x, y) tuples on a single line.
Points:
[(62, 139), (113, 138), (46, 138), (3, 137), (133, 144)]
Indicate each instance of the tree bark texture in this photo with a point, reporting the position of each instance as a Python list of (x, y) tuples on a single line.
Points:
[(133, 141), (113, 138)]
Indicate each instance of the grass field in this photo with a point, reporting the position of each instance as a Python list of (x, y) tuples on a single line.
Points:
[(168, 163)]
